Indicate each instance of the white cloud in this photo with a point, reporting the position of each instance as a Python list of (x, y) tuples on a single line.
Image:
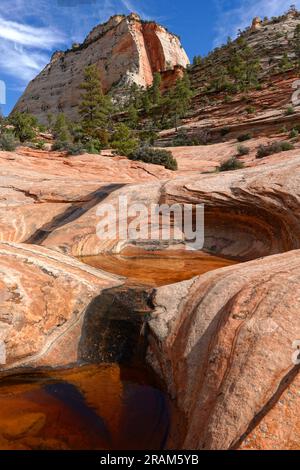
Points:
[(21, 63), (23, 48), (31, 29), (230, 20), (30, 36), (132, 8)]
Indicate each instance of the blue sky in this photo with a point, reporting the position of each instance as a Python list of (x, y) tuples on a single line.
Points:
[(30, 30)]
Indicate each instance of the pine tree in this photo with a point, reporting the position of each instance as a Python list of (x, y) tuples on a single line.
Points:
[(61, 130), (181, 97), (133, 117), (124, 141), (25, 126), (155, 91), (95, 108)]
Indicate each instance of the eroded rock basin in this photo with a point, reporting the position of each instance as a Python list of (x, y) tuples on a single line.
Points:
[(103, 407), (157, 268)]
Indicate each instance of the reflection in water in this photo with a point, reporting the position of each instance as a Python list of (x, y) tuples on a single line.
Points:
[(157, 268), (91, 407)]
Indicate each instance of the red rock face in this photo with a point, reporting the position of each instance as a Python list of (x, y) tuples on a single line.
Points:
[(154, 47)]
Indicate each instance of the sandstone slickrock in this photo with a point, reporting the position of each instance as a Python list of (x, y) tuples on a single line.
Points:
[(223, 343), (126, 50), (44, 298), (248, 213), (41, 190)]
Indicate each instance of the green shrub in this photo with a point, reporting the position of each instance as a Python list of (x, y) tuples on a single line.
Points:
[(42, 128), (61, 129), (294, 134), (286, 146), (228, 99), (69, 147), (250, 110), (289, 111), (182, 139), (272, 148), (76, 149), (8, 142), (123, 141), (242, 150), (155, 156), (25, 126), (94, 146), (40, 145), (60, 145), (231, 164), (224, 131), (244, 137)]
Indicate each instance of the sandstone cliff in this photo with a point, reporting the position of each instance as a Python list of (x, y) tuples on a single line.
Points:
[(126, 49)]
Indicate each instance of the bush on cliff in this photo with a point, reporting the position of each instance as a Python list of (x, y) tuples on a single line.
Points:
[(273, 147), (155, 156), (182, 139), (8, 142), (70, 148), (242, 150), (230, 165), (244, 137)]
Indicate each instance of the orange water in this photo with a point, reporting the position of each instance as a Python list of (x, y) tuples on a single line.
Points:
[(99, 407), (158, 268)]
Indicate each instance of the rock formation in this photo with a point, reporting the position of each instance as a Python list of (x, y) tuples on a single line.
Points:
[(256, 24), (244, 218), (126, 50), (39, 323), (221, 342)]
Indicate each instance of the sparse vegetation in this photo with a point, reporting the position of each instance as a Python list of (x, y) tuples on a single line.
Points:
[(182, 139), (8, 142), (231, 164), (155, 156), (123, 140), (242, 150), (69, 147), (294, 134), (289, 111), (250, 110), (25, 126), (244, 137), (40, 144), (272, 148)]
